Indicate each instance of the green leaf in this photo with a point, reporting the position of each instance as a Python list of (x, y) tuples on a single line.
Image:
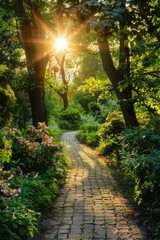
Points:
[(116, 16), (120, 10)]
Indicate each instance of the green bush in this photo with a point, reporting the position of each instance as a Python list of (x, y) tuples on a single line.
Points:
[(113, 125), (84, 101), (7, 103), (94, 109), (141, 140), (54, 131), (70, 119), (5, 149), (89, 133), (106, 148), (35, 152), (140, 163), (154, 125), (109, 134), (142, 171), (17, 221)]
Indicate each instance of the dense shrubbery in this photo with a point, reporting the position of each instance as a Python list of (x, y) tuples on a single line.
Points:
[(32, 168), (109, 133), (7, 103), (70, 119), (104, 136), (89, 133), (140, 163), (84, 101)]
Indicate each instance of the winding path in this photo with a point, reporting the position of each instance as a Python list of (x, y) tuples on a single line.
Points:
[(91, 204)]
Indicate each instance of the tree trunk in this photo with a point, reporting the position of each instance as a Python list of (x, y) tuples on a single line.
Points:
[(63, 91), (32, 35), (115, 76), (38, 107), (65, 100)]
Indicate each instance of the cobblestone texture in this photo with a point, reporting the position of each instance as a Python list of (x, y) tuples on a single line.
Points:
[(91, 204)]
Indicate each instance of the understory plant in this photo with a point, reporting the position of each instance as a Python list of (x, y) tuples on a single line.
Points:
[(109, 134), (32, 168), (140, 163), (89, 133), (70, 119)]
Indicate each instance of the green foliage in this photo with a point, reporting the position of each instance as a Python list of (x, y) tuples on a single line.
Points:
[(106, 108), (5, 149), (37, 192), (36, 152), (25, 80), (84, 101), (16, 220), (22, 111), (53, 105), (99, 88), (30, 175), (145, 78), (154, 125), (140, 140), (111, 13), (94, 108), (114, 125), (109, 132), (140, 163), (54, 131), (7, 98), (142, 171), (89, 133), (70, 119)]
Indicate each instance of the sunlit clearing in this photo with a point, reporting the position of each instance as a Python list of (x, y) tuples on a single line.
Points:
[(61, 44)]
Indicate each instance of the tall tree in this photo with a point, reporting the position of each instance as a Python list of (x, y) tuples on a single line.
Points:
[(33, 34), (108, 19)]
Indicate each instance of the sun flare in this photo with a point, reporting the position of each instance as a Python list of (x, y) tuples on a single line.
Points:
[(61, 44)]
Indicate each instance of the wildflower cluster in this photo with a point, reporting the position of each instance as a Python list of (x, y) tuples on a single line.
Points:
[(6, 191)]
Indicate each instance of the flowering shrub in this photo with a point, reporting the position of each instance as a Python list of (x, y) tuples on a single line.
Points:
[(32, 168), (6, 192), (34, 152), (14, 215)]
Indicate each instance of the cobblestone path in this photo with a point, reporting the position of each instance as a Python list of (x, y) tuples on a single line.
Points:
[(91, 204)]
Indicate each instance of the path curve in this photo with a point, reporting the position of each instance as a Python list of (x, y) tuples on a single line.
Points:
[(91, 204)]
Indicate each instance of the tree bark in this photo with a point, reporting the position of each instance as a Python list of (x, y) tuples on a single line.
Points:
[(115, 76), (63, 92), (64, 97), (32, 37), (38, 108)]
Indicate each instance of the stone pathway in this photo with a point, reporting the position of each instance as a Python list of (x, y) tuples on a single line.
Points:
[(91, 204)]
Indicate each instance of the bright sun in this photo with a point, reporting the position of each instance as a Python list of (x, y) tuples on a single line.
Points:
[(61, 44)]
